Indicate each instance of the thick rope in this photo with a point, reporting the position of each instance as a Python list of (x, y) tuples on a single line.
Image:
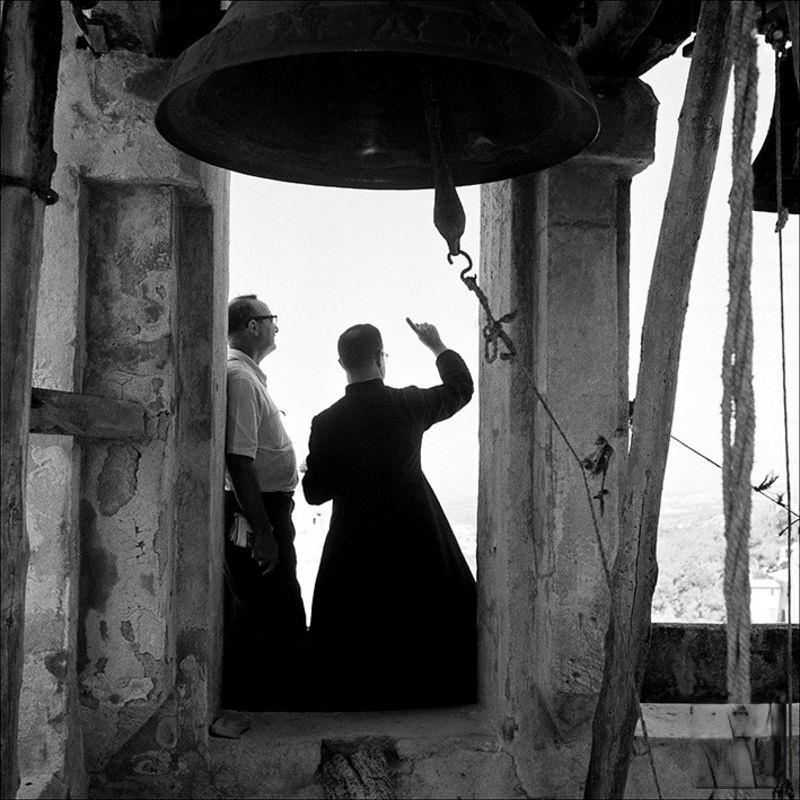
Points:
[(738, 407)]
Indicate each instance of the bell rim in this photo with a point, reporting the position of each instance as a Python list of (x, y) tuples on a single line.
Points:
[(545, 61), (489, 174)]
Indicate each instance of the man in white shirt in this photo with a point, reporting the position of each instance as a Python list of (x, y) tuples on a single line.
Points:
[(265, 621)]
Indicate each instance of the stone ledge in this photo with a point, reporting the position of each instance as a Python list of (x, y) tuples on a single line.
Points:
[(686, 663), (440, 750), (455, 753)]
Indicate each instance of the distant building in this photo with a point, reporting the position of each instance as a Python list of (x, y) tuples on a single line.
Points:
[(781, 576), (767, 600)]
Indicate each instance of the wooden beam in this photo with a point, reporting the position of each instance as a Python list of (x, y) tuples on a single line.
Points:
[(635, 568), (793, 19), (85, 415), (30, 48)]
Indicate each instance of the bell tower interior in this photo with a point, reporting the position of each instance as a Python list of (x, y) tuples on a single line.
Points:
[(118, 675)]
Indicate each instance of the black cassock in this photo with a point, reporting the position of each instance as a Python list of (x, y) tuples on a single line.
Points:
[(393, 615)]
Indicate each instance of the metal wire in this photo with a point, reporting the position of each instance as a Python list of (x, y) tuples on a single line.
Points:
[(762, 492), (493, 328), (787, 790)]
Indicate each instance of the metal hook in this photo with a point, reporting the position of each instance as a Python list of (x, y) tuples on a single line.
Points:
[(493, 328), (466, 269)]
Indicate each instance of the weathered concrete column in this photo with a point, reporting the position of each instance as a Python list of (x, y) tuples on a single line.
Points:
[(555, 247), (126, 568)]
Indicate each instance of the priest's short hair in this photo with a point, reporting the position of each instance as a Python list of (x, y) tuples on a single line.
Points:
[(359, 345)]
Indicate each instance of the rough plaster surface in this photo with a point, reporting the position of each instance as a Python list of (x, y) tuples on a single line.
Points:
[(127, 658), (107, 325), (152, 507)]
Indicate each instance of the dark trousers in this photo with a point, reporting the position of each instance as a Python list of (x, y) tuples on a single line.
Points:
[(265, 621)]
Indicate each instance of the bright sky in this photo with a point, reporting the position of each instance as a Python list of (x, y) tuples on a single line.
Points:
[(324, 259), (697, 410)]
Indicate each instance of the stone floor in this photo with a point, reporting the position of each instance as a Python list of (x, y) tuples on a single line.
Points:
[(699, 751)]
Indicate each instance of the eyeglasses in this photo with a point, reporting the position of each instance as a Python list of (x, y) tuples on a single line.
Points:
[(273, 317)]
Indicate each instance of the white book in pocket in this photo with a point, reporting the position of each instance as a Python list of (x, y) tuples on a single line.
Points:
[(240, 533)]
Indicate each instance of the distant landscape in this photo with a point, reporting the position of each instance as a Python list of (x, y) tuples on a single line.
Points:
[(691, 555), (691, 550)]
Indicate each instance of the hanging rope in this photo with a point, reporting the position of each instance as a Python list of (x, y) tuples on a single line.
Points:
[(738, 407)]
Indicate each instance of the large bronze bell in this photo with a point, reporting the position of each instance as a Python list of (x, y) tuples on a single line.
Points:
[(331, 93), (764, 172)]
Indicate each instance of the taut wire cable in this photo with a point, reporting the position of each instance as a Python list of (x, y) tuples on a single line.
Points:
[(787, 789)]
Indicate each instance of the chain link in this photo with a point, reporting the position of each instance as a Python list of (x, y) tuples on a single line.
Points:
[(493, 328)]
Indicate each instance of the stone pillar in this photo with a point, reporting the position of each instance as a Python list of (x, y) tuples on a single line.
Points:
[(127, 645), (555, 248), (133, 306)]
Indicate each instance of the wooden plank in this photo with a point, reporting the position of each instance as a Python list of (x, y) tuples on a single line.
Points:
[(30, 43), (635, 568), (85, 415)]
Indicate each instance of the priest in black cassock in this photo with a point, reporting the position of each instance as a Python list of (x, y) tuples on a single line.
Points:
[(393, 614)]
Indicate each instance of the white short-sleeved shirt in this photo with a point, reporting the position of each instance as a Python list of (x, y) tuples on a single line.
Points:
[(254, 426)]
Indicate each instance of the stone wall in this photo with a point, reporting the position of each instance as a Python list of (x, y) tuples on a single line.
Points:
[(686, 663), (131, 305)]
